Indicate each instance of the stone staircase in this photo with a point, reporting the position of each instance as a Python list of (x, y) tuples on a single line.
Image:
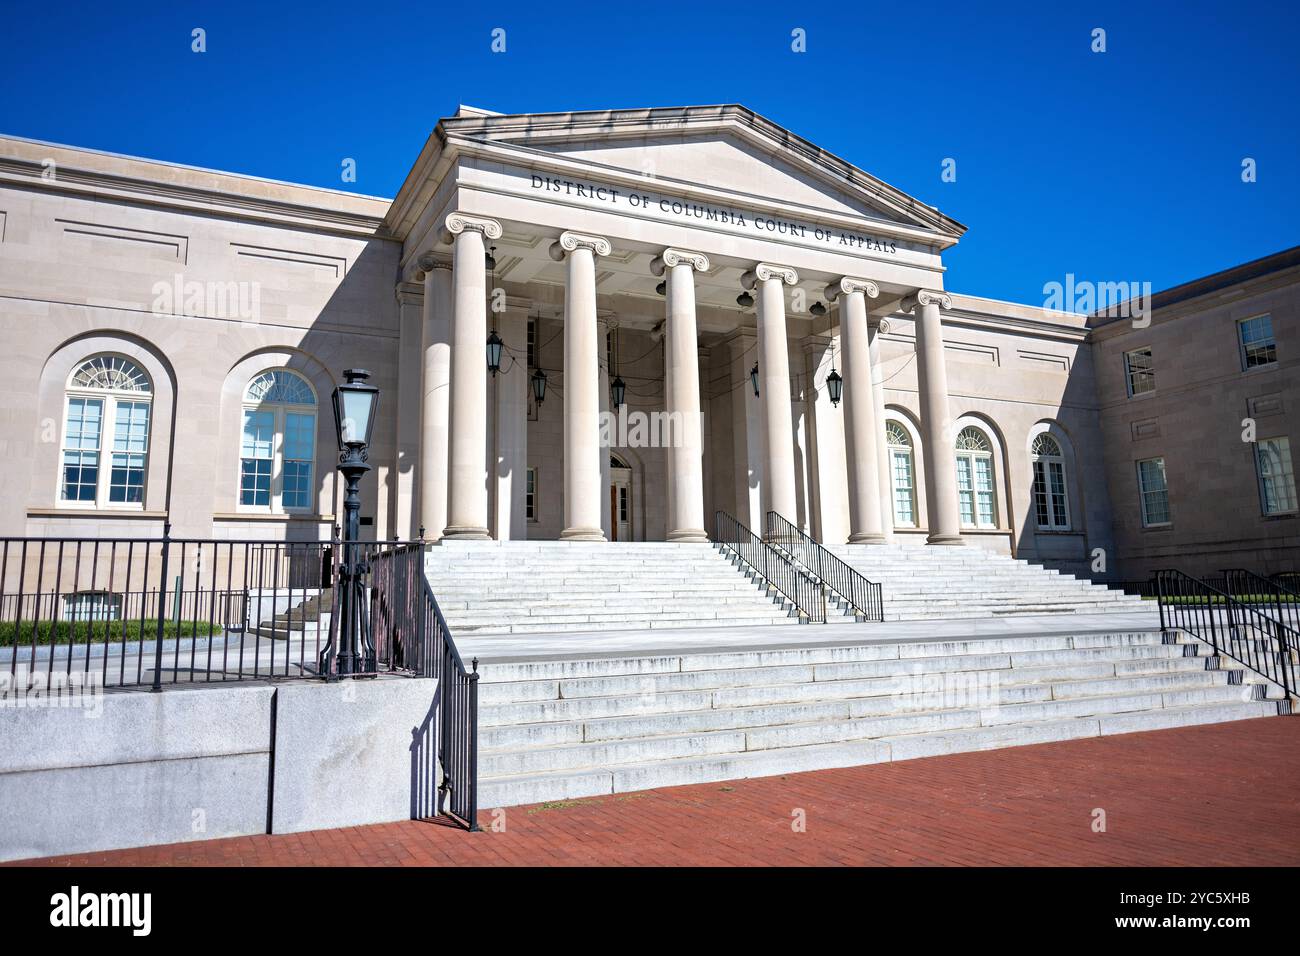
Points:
[(919, 582), (534, 587), (562, 729), (307, 618)]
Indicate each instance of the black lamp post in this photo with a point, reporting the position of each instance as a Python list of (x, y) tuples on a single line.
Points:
[(494, 353), (355, 404), (753, 378), (835, 385), (539, 386)]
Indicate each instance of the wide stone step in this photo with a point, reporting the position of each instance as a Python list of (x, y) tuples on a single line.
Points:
[(539, 787)]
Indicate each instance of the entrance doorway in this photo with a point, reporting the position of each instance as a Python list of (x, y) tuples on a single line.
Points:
[(620, 499)]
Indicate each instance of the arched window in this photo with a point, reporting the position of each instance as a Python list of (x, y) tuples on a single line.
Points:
[(975, 496), (903, 474), (278, 444), (106, 422), (1050, 501)]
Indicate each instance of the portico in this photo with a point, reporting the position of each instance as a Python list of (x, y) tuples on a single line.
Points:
[(702, 242)]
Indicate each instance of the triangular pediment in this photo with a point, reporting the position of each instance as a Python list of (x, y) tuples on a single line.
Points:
[(724, 148)]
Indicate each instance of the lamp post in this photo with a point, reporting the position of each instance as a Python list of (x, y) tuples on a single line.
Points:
[(355, 404)]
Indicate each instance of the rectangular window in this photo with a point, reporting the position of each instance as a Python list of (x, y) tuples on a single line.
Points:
[(130, 443), (256, 457), (1276, 476), (81, 448), (1153, 492), (1139, 371), (299, 432), (622, 504), (984, 491), (1256, 339), (965, 491), (530, 495), (904, 493), (1049, 495)]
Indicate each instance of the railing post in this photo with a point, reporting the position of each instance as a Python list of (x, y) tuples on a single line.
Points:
[(162, 589)]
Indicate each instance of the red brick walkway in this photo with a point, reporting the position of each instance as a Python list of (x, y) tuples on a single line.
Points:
[(1218, 795)]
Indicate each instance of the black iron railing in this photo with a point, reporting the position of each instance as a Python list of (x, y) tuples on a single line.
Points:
[(124, 612), (1269, 595), (409, 625), (861, 595), (775, 569), (1233, 628)]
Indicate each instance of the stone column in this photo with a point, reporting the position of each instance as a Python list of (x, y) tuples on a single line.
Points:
[(936, 420), (435, 393), (467, 500), (582, 489), (405, 518), (860, 424), (884, 469), (774, 388), (682, 394), (608, 439), (510, 451)]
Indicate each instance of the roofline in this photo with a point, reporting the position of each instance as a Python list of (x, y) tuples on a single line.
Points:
[(1214, 282), (197, 169)]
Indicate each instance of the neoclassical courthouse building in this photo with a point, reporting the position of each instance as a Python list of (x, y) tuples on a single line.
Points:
[(173, 334)]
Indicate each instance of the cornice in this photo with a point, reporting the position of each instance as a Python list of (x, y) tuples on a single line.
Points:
[(72, 180)]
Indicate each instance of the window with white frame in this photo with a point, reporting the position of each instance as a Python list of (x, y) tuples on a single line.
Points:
[(976, 499), (277, 443), (1153, 491), (105, 434), (1276, 476), (1255, 336), (902, 473), (92, 606), (1051, 504), (530, 496), (1139, 371)]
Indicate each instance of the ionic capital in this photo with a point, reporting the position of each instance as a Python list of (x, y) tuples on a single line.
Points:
[(569, 241), (428, 262), (765, 271), (848, 285), (676, 257), (926, 297), (459, 222)]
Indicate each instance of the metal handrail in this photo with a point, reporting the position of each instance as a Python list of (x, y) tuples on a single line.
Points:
[(408, 620), (863, 595), (807, 595), (1276, 596), (1247, 635)]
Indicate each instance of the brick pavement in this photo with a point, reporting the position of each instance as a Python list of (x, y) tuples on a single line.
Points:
[(1223, 794)]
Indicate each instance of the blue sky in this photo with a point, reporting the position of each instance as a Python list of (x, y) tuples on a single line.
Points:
[(1124, 165)]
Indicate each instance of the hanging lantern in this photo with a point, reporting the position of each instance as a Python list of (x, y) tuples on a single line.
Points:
[(818, 309), (618, 389), (753, 378), (744, 300), (539, 386), (490, 260), (835, 386), (661, 288), (494, 353)]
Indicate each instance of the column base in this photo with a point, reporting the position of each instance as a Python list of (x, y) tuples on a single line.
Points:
[(863, 537), (689, 536), (466, 533), (940, 538), (582, 534)]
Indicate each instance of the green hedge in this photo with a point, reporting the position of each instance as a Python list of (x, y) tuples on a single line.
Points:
[(99, 632)]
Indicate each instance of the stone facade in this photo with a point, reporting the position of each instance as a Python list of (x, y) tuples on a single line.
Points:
[(672, 249)]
